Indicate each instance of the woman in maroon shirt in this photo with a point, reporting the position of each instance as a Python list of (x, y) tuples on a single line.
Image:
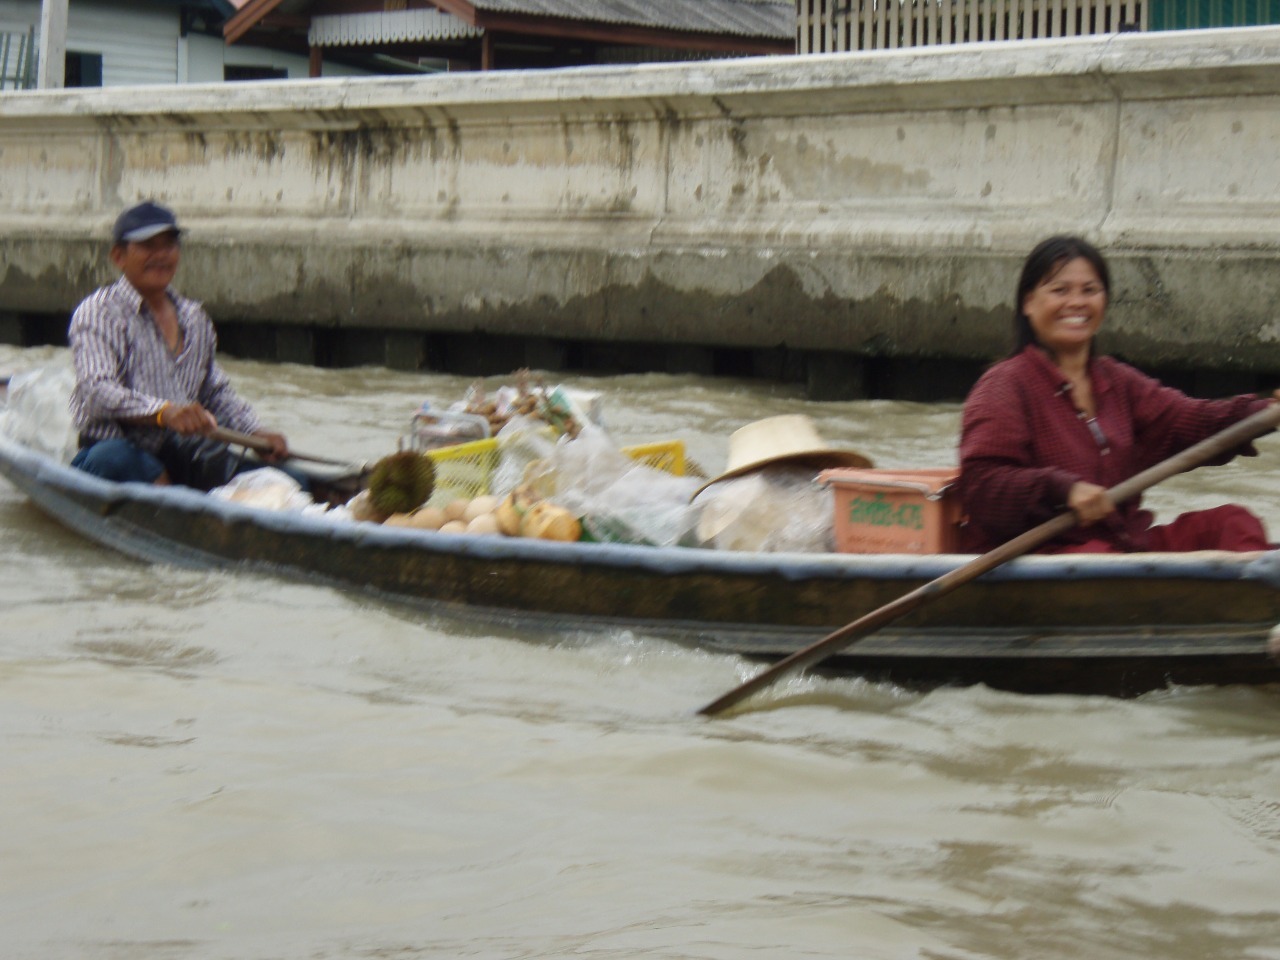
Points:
[(1055, 425)]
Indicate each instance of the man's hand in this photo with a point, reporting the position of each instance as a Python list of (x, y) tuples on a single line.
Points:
[(279, 446), (187, 419), (1089, 502)]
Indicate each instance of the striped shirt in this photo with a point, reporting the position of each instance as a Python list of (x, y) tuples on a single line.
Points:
[(124, 368)]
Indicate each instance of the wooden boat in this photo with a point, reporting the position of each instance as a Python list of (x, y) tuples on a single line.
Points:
[(1085, 624)]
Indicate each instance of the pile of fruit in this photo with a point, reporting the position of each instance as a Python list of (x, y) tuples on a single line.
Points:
[(525, 398), (401, 484), (519, 514)]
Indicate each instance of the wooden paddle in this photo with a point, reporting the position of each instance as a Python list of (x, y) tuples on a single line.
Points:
[(259, 445), (1251, 427)]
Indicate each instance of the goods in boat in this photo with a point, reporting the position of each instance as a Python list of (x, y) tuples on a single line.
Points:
[(401, 482)]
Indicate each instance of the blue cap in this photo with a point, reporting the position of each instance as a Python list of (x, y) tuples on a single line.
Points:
[(143, 222)]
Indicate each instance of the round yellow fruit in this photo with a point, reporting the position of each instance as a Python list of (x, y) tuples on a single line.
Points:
[(546, 521), (427, 518), (456, 509), (509, 514), (486, 523), (479, 507)]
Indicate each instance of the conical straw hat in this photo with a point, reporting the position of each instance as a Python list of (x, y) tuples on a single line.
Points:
[(787, 438)]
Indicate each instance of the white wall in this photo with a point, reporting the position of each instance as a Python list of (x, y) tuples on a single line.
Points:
[(208, 56), (138, 41), (19, 16)]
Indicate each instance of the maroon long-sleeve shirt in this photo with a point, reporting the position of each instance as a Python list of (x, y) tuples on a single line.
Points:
[(1023, 444)]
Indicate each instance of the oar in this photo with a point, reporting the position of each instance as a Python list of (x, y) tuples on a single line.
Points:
[(264, 446), (1251, 427)]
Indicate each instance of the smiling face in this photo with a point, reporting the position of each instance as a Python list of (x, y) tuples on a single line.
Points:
[(1066, 308), (149, 265)]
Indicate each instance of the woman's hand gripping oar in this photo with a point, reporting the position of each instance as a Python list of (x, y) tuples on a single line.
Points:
[(1234, 436)]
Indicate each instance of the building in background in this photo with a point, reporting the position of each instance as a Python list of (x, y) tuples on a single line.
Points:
[(119, 42), (517, 34), (126, 42), (837, 26)]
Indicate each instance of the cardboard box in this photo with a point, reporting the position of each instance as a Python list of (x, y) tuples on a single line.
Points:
[(895, 511)]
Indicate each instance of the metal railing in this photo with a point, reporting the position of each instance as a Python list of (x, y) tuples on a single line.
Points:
[(834, 26), (18, 60)]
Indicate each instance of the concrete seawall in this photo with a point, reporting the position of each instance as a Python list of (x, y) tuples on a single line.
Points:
[(836, 209)]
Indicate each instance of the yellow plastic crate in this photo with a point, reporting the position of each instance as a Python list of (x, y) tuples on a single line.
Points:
[(465, 469), (667, 455)]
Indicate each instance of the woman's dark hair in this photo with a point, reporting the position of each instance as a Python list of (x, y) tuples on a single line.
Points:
[(1043, 262)]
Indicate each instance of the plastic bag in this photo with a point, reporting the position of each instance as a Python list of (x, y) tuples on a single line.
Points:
[(269, 489), (525, 447), (777, 509), (38, 414), (585, 406), (621, 500)]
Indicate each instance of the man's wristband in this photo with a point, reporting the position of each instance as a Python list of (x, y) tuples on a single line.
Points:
[(160, 413)]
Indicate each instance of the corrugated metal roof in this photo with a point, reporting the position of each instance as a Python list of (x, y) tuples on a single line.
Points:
[(750, 18), (351, 29), (770, 19)]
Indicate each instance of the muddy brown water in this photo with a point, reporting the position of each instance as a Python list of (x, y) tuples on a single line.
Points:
[(224, 765)]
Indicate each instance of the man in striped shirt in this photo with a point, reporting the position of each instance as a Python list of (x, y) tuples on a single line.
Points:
[(149, 390)]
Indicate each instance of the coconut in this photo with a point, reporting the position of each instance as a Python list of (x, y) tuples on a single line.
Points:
[(509, 516), (479, 507), (486, 523), (456, 509), (427, 518), (547, 521), (401, 482), (514, 506)]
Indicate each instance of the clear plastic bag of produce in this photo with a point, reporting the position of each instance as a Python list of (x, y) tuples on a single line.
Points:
[(780, 509), (268, 489), (525, 448), (621, 500), (38, 415)]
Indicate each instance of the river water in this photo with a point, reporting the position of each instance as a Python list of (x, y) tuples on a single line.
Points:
[(219, 765)]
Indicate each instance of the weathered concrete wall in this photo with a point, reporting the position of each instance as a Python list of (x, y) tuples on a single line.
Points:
[(877, 204)]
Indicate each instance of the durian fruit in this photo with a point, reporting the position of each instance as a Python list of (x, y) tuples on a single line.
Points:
[(401, 482)]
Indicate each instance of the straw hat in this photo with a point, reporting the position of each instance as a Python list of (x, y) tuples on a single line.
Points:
[(789, 438)]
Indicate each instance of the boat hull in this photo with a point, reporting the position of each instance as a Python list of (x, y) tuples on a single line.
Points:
[(1084, 624)]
